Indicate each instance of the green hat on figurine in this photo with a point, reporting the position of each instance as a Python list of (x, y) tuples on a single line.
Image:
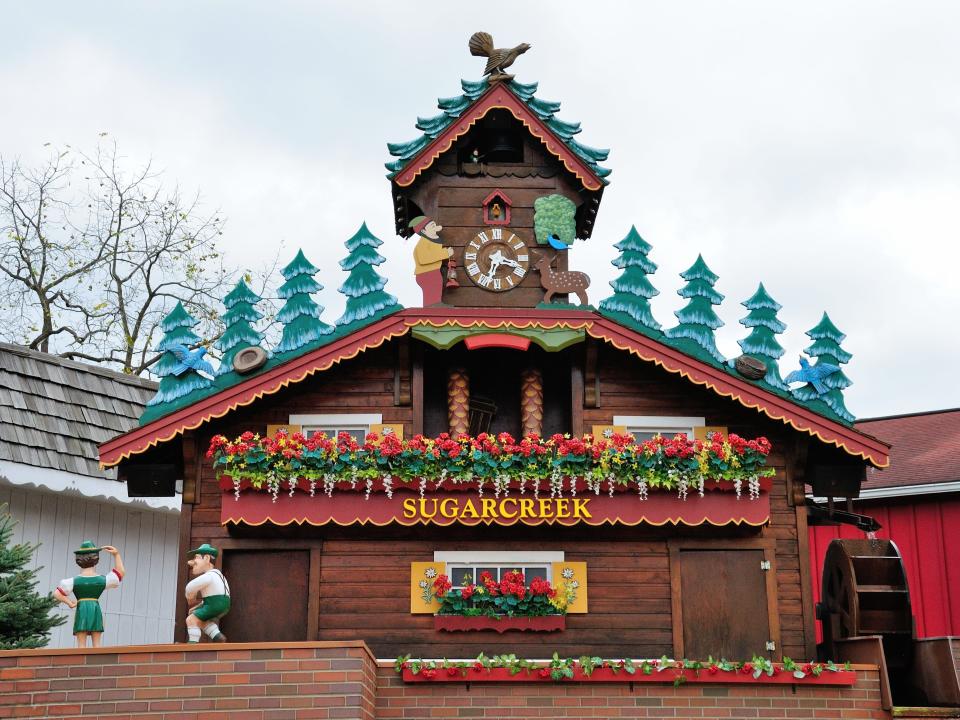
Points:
[(205, 549), (86, 546)]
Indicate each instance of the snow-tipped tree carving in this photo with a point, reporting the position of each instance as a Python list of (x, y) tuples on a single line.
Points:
[(363, 287), (764, 326), (827, 351), (300, 314), (178, 366), (632, 291), (697, 318), (241, 305)]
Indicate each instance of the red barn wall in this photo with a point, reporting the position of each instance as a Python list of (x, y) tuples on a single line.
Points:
[(927, 530)]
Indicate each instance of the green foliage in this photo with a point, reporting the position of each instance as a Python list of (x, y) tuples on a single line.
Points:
[(697, 318), (363, 287), (554, 214), (762, 343), (632, 290), (25, 620)]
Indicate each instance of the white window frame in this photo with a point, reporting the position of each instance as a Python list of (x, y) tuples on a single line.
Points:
[(512, 559), (666, 425), (336, 421)]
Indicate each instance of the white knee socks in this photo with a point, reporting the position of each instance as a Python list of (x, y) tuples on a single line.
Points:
[(211, 630), (193, 634)]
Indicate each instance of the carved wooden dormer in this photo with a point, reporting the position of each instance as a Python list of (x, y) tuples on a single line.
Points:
[(479, 170)]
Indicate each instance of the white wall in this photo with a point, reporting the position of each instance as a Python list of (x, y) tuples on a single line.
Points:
[(141, 610)]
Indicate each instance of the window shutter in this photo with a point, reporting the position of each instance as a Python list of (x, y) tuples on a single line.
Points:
[(572, 577), (291, 429), (422, 575), (601, 431), (700, 433), (388, 429)]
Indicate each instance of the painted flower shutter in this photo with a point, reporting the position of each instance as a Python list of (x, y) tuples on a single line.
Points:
[(422, 575), (571, 578)]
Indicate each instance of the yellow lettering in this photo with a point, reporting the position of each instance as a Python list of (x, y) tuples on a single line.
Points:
[(526, 508), (423, 508), (409, 508), (445, 504), (580, 508), (546, 508), (489, 506), (469, 511), (503, 511), (563, 508)]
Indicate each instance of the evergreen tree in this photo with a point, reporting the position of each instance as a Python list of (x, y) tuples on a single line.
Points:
[(364, 287), (300, 314), (178, 333), (697, 318), (826, 349), (762, 343), (25, 620), (632, 290), (239, 332)]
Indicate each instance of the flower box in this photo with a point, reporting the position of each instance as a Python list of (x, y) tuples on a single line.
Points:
[(671, 676), (462, 623)]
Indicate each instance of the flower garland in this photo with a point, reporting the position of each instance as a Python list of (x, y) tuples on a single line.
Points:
[(560, 669), (277, 463)]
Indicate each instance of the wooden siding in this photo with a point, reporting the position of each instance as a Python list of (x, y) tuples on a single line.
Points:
[(925, 530), (363, 580), (141, 610)]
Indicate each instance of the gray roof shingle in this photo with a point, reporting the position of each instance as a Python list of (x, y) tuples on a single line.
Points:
[(55, 412)]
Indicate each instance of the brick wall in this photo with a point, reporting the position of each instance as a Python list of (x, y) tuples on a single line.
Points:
[(203, 682), (300, 681), (619, 700)]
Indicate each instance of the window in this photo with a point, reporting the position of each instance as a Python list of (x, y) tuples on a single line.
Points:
[(645, 427), (466, 567), (356, 425)]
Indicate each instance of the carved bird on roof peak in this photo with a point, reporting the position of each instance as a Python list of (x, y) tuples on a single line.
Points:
[(812, 374), (498, 59)]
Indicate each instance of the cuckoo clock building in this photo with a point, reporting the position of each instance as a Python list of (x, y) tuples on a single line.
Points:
[(523, 463)]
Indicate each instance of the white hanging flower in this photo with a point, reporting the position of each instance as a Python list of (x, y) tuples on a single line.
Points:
[(738, 486), (313, 487), (388, 485), (369, 487), (423, 487), (642, 488), (236, 489), (754, 484), (292, 484)]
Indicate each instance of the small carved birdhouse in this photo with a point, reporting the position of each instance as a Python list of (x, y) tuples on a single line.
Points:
[(496, 208)]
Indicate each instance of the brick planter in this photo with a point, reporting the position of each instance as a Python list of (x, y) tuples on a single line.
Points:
[(459, 623)]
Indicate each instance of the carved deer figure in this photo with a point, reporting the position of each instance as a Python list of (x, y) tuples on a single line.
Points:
[(556, 281)]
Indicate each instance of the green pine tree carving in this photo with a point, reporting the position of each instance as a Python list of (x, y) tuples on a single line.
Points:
[(826, 349), (25, 620), (178, 331), (300, 314), (697, 318), (632, 290), (764, 326), (239, 333), (366, 297)]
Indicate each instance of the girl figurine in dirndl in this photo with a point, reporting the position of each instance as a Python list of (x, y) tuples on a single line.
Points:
[(87, 587)]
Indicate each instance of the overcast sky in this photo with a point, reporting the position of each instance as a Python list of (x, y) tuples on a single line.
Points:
[(811, 146)]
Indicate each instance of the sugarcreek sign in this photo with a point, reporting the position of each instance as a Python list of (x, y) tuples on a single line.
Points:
[(444, 508)]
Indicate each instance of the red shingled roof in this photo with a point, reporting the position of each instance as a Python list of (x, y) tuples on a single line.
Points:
[(926, 448)]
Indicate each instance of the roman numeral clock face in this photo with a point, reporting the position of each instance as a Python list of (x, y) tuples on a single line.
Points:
[(496, 259)]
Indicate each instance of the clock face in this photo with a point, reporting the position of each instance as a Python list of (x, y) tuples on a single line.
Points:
[(496, 259)]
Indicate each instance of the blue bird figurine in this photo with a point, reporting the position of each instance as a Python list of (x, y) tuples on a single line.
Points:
[(812, 374), (554, 241), (188, 360)]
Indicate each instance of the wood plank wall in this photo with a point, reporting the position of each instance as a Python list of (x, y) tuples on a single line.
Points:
[(141, 610), (364, 574)]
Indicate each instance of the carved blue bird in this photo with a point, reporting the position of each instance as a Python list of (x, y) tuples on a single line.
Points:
[(554, 241), (188, 360), (812, 374)]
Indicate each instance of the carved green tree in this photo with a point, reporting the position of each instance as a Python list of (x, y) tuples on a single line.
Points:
[(178, 336), (25, 619), (241, 305), (826, 349), (632, 290), (697, 319), (300, 314), (363, 287), (764, 326)]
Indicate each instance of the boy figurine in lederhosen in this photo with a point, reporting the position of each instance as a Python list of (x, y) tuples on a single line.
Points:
[(208, 595), (87, 587)]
